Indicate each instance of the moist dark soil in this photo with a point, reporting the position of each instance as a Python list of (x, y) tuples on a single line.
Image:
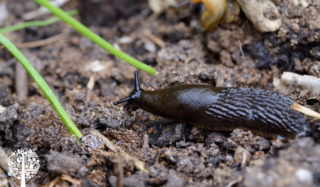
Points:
[(175, 154)]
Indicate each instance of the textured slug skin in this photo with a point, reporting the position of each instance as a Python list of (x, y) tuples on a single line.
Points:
[(264, 112)]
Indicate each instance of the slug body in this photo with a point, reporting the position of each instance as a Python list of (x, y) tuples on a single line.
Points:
[(214, 12), (263, 112)]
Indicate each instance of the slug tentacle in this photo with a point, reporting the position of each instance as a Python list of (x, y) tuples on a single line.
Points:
[(136, 81), (264, 112), (134, 96), (127, 99)]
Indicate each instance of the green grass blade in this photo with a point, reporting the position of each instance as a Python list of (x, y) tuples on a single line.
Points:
[(35, 23), (72, 128), (94, 37)]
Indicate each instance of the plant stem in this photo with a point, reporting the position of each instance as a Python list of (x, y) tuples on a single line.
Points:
[(35, 23), (72, 128), (94, 37)]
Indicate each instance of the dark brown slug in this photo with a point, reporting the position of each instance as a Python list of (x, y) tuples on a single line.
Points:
[(263, 112)]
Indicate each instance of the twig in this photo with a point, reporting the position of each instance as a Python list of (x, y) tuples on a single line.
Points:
[(42, 42), (90, 86), (65, 177), (120, 171), (71, 180), (244, 57), (52, 183), (139, 165), (154, 39), (233, 182), (42, 10), (35, 23), (21, 82), (145, 145), (305, 110), (241, 51), (157, 159)]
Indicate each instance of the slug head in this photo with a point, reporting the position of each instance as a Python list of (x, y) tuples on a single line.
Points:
[(134, 96)]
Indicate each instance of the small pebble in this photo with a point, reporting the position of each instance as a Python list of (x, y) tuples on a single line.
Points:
[(239, 153), (304, 175), (150, 47), (196, 170)]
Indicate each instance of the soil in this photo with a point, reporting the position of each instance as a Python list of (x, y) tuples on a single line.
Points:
[(176, 154)]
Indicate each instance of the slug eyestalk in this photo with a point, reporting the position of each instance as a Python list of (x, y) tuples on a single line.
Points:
[(134, 95)]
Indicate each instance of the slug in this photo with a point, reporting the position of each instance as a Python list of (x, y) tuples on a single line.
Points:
[(214, 12), (217, 108)]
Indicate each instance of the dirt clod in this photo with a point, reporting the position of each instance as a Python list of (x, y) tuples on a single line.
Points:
[(61, 164)]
